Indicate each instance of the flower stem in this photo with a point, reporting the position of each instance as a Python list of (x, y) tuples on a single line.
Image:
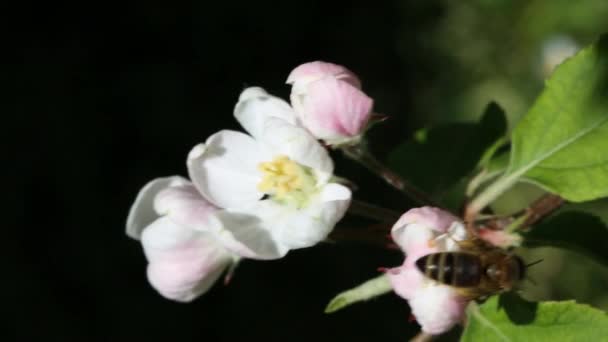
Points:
[(542, 208), (488, 195), (361, 154), (367, 210)]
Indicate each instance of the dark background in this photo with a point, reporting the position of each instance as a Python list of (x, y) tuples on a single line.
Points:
[(107, 97), (113, 96)]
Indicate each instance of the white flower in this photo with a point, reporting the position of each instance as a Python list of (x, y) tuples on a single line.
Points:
[(179, 234), (274, 184)]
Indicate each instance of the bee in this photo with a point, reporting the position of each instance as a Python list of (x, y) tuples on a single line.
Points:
[(477, 271)]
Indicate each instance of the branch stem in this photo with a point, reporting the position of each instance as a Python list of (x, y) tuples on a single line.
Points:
[(361, 154), (374, 212)]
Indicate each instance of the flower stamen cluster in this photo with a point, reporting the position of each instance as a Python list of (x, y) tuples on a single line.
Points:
[(286, 180)]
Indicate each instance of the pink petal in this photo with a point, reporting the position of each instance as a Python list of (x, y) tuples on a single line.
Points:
[(406, 281), (183, 263), (309, 72), (187, 273), (437, 308), (186, 206), (335, 109), (500, 238)]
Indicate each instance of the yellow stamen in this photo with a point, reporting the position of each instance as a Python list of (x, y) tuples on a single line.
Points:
[(282, 178)]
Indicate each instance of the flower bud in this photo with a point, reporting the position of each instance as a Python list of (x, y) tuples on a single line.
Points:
[(500, 238), (329, 102)]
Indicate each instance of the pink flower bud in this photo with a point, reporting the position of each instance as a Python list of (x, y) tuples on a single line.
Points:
[(312, 71), (500, 238), (329, 102), (421, 231)]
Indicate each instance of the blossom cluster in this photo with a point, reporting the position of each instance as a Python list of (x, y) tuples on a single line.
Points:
[(260, 193), (255, 194)]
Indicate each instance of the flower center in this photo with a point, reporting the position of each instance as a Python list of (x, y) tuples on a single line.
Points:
[(286, 180)]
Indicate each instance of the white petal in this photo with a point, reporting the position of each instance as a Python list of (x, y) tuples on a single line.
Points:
[(268, 230), (283, 138), (142, 211), (183, 263), (412, 234), (249, 236), (318, 219), (225, 169), (255, 106), (306, 227), (334, 192)]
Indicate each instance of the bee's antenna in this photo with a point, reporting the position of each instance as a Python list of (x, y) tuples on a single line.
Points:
[(534, 263)]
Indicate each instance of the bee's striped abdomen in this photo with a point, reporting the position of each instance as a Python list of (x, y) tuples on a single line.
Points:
[(451, 268)]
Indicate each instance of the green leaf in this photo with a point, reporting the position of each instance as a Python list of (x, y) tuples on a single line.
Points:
[(366, 291), (511, 318), (439, 157), (576, 231), (561, 144), (563, 141)]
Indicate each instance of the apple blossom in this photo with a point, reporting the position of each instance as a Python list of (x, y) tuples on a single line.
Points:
[(177, 229), (421, 231), (329, 102), (275, 185)]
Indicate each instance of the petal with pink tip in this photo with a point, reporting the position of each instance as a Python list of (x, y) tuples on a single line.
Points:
[(183, 263)]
